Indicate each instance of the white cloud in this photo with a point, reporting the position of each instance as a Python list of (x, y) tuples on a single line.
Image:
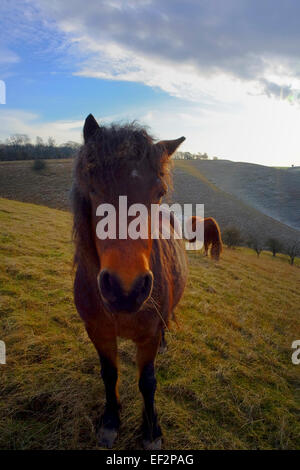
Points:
[(182, 46), (229, 63), (113, 62), (14, 121)]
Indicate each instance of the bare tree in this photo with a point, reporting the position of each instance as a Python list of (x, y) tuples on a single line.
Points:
[(293, 250), (71, 144), (39, 141), (188, 156), (232, 237), (256, 245), (274, 245), (51, 142), (18, 139)]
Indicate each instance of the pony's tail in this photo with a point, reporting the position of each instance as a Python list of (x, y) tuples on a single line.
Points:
[(212, 234)]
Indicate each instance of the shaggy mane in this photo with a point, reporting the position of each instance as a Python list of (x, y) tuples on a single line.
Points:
[(111, 148)]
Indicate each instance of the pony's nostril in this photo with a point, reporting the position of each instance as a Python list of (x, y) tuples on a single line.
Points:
[(107, 285), (105, 281), (113, 293)]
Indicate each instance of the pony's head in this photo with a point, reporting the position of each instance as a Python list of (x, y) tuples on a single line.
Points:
[(118, 161)]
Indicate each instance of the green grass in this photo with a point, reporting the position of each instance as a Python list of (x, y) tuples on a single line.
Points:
[(226, 381)]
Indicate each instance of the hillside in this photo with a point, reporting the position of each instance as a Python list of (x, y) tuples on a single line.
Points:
[(237, 321), (51, 187), (272, 191), (192, 186)]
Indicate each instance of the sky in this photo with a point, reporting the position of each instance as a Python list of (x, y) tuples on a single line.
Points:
[(225, 74)]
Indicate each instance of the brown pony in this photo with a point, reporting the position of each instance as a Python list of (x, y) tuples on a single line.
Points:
[(212, 236), (124, 287)]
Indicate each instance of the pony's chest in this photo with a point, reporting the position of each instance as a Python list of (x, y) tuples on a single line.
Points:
[(136, 326)]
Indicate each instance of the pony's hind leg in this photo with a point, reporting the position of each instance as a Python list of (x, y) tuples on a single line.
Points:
[(107, 432), (146, 352), (206, 246)]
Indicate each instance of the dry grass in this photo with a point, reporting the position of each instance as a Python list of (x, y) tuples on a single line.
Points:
[(49, 187), (226, 381)]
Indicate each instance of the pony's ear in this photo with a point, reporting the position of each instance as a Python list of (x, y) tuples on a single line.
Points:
[(89, 128), (171, 145)]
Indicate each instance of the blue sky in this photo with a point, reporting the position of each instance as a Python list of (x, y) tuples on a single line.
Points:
[(224, 74)]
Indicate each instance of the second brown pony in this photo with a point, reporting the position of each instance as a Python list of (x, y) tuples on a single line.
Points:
[(212, 236)]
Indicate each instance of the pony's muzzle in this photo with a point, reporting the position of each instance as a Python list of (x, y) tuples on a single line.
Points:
[(117, 299)]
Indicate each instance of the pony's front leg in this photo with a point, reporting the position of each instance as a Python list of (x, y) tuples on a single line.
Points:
[(110, 420), (146, 352), (163, 343)]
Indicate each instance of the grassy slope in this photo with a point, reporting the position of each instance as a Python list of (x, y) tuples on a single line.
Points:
[(227, 380), (51, 187), (192, 186), (272, 191)]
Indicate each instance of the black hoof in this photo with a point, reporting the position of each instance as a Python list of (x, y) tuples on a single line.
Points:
[(154, 445), (151, 432), (109, 428), (107, 437), (162, 348)]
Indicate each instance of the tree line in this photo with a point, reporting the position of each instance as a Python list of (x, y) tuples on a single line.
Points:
[(20, 147), (192, 156), (232, 238)]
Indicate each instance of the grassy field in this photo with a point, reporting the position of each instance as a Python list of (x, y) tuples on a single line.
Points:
[(226, 381)]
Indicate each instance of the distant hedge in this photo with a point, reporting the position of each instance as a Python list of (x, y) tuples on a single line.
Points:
[(19, 147), (31, 152)]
